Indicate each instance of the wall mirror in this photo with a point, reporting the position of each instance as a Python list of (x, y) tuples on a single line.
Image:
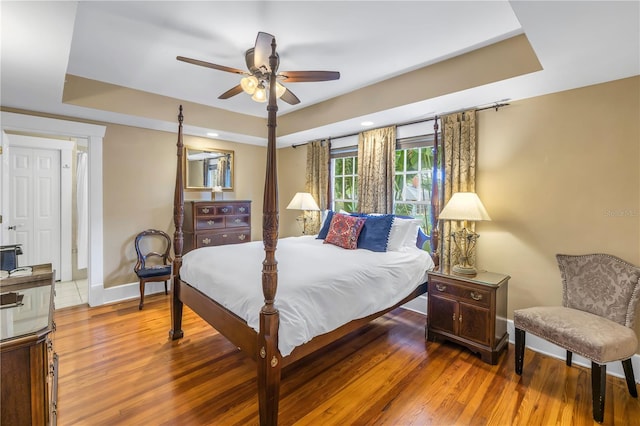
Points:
[(205, 168)]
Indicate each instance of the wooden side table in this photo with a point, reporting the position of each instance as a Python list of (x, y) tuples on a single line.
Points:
[(469, 310), (28, 362)]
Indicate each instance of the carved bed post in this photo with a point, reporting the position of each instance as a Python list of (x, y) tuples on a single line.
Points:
[(178, 239), (435, 199), (269, 358)]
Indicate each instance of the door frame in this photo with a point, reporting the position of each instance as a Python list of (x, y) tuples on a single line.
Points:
[(66, 151), (94, 134)]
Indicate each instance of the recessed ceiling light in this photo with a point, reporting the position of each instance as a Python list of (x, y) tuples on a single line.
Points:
[(212, 134), (366, 123)]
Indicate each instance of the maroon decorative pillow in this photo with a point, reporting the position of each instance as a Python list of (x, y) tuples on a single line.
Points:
[(344, 231)]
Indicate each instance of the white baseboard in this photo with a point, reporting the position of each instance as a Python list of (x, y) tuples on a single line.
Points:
[(131, 291), (419, 304)]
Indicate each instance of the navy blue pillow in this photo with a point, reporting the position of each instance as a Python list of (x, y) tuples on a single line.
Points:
[(422, 240), (325, 227), (375, 232)]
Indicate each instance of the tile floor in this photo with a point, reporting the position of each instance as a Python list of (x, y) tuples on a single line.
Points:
[(71, 293)]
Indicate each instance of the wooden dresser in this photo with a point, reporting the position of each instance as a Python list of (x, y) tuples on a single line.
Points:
[(215, 223), (28, 362), (469, 310)]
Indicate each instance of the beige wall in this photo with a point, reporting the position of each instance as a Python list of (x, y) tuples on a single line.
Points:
[(292, 164), (559, 174), (139, 169)]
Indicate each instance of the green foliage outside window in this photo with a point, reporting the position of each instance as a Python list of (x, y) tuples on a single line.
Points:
[(411, 184)]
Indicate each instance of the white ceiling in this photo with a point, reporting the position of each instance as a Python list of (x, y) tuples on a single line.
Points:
[(134, 45)]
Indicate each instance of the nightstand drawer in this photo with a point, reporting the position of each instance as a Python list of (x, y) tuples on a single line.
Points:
[(457, 291)]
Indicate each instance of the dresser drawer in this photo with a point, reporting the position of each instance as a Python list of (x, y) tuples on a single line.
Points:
[(213, 222), (222, 238), (205, 210), (237, 221)]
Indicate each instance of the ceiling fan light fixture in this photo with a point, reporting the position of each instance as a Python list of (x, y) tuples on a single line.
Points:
[(249, 84), (260, 94), (280, 89)]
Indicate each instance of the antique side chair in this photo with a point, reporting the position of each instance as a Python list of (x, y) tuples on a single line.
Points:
[(152, 266), (600, 294)]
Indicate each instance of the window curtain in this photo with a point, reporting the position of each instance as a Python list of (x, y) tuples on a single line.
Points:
[(459, 163), (376, 166), (317, 182)]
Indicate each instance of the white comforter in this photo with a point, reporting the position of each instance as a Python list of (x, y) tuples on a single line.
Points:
[(320, 286)]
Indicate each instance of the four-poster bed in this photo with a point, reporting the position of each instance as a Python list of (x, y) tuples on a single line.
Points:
[(261, 343)]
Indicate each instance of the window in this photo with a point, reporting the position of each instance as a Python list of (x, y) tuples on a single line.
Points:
[(344, 187), (412, 180), (412, 183)]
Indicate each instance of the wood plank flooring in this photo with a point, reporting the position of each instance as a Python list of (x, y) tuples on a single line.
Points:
[(117, 367)]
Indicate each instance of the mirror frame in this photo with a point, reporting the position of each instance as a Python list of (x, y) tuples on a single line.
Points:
[(211, 150)]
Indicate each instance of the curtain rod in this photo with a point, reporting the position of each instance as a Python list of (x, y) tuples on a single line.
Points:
[(422, 120)]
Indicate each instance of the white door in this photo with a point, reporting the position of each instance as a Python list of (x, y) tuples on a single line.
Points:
[(34, 205)]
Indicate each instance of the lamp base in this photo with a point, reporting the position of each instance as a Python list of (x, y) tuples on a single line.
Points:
[(464, 270)]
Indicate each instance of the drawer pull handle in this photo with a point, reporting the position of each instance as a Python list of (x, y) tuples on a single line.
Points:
[(242, 209), (225, 210), (210, 222), (205, 210), (237, 220), (224, 235), (241, 237), (441, 287), (476, 296), (206, 241)]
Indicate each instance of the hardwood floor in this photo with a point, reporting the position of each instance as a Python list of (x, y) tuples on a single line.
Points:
[(117, 367)]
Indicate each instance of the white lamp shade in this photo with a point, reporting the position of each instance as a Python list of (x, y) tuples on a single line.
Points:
[(249, 84), (303, 201), (464, 206)]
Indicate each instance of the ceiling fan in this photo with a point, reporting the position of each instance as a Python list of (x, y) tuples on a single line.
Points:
[(256, 80)]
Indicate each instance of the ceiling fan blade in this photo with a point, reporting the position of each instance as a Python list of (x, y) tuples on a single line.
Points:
[(210, 65), (231, 92), (289, 97), (306, 76), (262, 51)]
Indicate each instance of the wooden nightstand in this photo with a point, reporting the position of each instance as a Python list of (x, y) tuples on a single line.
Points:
[(469, 310)]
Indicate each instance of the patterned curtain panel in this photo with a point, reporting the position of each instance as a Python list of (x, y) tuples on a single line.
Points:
[(459, 164), (317, 182), (376, 166)]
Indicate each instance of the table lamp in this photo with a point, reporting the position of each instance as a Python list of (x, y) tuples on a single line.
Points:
[(217, 193), (464, 206), (305, 202)]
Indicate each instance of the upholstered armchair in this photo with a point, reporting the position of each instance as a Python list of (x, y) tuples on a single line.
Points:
[(600, 294)]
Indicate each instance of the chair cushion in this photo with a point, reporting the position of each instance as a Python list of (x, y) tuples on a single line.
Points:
[(154, 272), (594, 337)]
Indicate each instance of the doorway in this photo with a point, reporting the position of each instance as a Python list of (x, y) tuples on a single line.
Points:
[(22, 124)]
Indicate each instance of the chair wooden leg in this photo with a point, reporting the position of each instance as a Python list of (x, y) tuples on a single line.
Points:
[(569, 356), (165, 288), (631, 380), (141, 295), (520, 339), (598, 389)]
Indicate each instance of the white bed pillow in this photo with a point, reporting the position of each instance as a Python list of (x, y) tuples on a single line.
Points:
[(403, 233), (411, 236)]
